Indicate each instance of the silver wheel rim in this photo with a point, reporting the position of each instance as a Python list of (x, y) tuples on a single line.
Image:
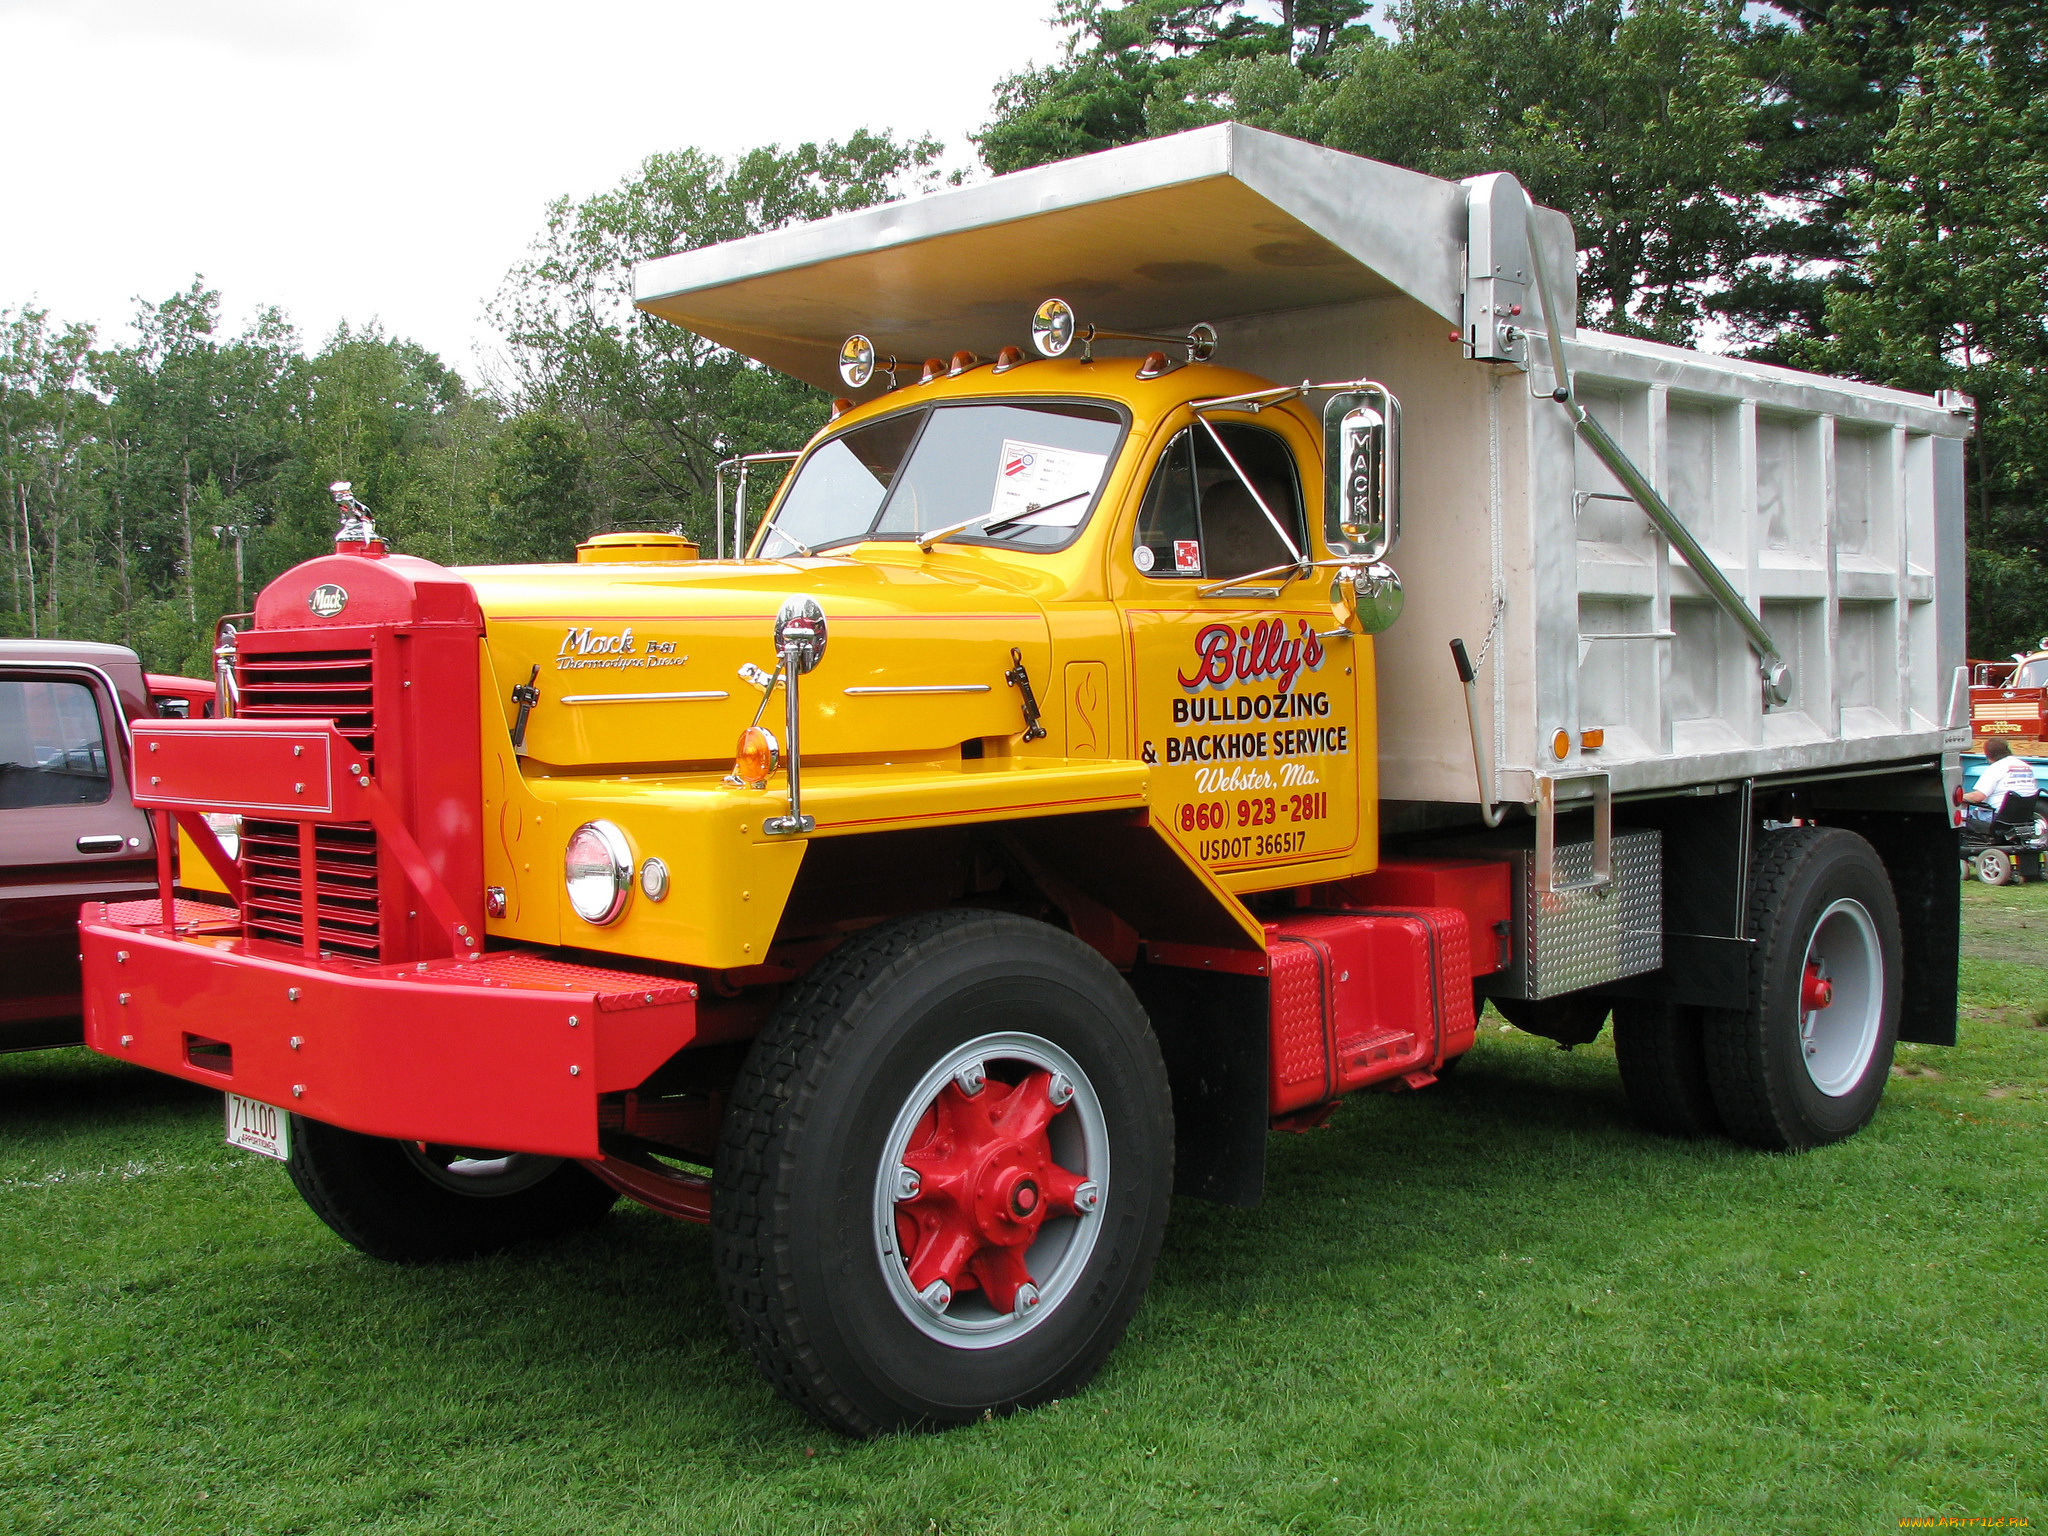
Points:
[(461, 1171), (1994, 866), (1836, 1042), (1079, 1136)]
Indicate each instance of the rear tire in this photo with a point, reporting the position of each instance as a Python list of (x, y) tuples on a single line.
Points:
[(851, 1132), (409, 1204), (1788, 1074), (1661, 1048)]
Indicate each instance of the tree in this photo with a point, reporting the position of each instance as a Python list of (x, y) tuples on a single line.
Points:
[(650, 407), (1952, 293)]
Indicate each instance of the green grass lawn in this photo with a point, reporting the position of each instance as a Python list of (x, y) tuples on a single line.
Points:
[(1493, 1305)]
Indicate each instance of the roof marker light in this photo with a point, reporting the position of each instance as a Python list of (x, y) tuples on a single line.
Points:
[(1154, 365), (1008, 358), (934, 368)]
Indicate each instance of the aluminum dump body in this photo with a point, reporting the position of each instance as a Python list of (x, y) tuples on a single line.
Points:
[(1834, 508)]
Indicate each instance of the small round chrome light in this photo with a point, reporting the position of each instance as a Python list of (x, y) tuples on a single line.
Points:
[(654, 879), (598, 870), (856, 361), (1052, 327)]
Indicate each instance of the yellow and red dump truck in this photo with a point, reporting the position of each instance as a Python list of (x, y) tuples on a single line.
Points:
[(1059, 789)]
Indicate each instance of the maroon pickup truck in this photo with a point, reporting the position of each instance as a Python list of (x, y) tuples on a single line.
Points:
[(69, 830)]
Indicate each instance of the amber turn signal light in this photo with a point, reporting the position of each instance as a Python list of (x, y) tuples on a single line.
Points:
[(755, 758), (1593, 740)]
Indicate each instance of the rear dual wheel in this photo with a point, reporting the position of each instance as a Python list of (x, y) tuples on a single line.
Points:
[(1806, 1062), (944, 1175)]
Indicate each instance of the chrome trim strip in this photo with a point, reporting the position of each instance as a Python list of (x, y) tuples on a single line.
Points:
[(638, 698), (928, 688)]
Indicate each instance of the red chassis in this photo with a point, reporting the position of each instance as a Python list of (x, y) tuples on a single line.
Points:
[(507, 1050)]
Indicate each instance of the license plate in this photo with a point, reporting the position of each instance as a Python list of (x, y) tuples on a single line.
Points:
[(258, 1127)]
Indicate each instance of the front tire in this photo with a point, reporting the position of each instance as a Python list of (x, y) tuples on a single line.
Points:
[(412, 1204), (1806, 1062), (944, 1175)]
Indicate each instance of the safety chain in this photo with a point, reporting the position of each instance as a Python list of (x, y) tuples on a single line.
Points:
[(1500, 607)]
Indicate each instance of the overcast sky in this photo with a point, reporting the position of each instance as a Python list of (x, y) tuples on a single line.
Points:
[(390, 159)]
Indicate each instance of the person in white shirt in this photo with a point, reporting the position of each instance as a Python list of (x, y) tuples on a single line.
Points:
[(2003, 775)]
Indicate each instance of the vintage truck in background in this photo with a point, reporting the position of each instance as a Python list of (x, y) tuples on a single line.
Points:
[(69, 828), (1059, 789)]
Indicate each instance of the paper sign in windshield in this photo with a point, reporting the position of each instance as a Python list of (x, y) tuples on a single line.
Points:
[(1041, 487)]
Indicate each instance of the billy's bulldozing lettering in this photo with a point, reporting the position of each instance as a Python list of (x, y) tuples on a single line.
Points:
[(1059, 789)]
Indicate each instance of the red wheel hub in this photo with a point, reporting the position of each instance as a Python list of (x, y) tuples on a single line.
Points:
[(1815, 990), (986, 1182)]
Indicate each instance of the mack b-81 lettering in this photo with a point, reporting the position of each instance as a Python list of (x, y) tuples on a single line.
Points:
[(1233, 626)]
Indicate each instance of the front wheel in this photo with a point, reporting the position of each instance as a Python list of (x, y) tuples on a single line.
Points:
[(1994, 866), (944, 1175), (414, 1202), (1805, 1063)]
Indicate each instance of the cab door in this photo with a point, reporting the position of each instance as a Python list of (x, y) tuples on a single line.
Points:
[(1249, 714), (69, 831)]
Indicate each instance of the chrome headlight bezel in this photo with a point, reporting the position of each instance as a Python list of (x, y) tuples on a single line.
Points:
[(597, 891)]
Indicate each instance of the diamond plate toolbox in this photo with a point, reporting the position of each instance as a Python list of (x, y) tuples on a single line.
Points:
[(1566, 940)]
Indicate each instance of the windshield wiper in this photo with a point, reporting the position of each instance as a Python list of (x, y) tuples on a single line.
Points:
[(995, 520), (792, 541)]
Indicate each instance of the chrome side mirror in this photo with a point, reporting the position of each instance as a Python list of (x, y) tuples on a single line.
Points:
[(800, 634), (1362, 471), (1365, 599)]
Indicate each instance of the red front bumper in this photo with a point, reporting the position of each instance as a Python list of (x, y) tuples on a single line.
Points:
[(507, 1051)]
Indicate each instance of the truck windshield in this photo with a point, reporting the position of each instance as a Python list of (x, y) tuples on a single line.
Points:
[(2031, 674), (1027, 473)]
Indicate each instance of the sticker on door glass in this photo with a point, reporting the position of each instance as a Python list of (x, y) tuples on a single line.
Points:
[(1042, 487), (1141, 557), (1187, 555)]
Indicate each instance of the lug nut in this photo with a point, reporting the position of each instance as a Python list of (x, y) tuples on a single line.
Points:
[(298, 1090), (297, 1041), (1027, 1300), (908, 1183), (971, 1078), (127, 1040), (938, 1296), (1059, 1089), (1087, 1196)]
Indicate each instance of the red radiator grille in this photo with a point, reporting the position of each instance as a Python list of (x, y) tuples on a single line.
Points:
[(311, 685), (345, 883)]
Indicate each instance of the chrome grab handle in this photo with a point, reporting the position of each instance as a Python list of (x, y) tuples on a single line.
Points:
[(106, 842), (1546, 832)]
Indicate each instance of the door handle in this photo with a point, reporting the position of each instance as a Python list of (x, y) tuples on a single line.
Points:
[(109, 842)]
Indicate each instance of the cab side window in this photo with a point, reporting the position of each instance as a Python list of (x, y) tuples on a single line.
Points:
[(51, 748), (1198, 519)]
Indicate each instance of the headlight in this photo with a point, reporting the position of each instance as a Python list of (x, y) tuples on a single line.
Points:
[(598, 870)]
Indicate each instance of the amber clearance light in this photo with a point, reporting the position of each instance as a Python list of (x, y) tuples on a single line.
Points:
[(755, 758)]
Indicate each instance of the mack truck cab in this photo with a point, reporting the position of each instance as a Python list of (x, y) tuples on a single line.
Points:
[(1033, 810)]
